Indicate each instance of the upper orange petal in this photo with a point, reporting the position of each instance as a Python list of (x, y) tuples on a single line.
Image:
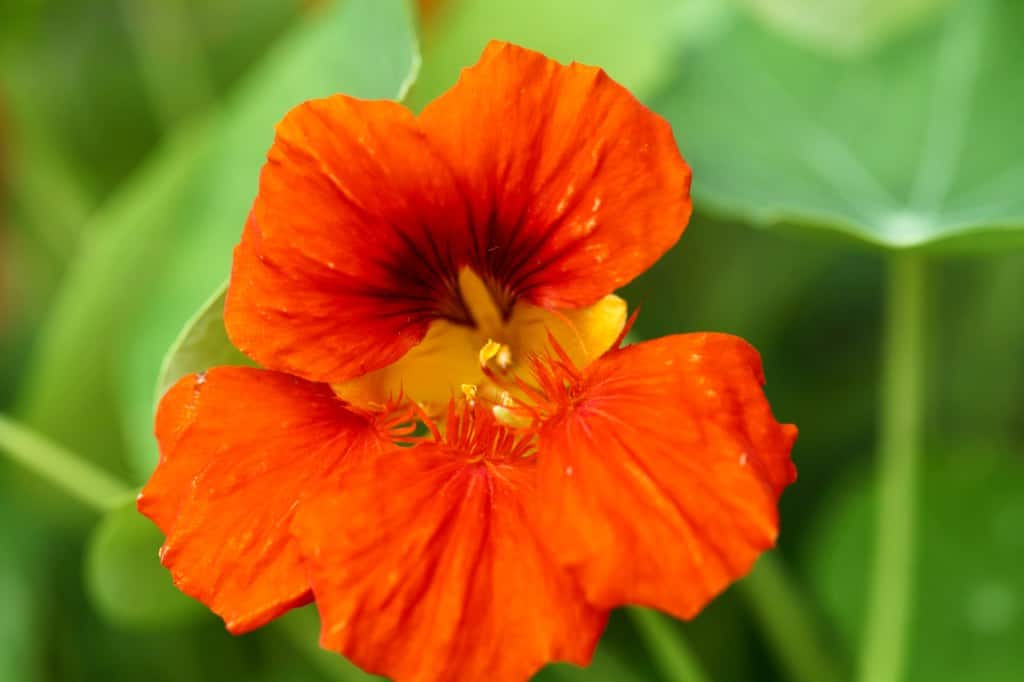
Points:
[(239, 449), (552, 183), (660, 467), (574, 186), (426, 565), (346, 257)]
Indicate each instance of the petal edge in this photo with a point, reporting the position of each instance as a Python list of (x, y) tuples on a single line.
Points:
[(446, 579), (240, 448), (678, 432)]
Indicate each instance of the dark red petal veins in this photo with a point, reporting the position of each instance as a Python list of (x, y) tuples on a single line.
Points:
[(426, 565), (552, 183), (348, 254), (574, 187)]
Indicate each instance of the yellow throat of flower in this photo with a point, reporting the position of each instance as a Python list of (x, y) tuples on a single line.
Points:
[(451, 358)]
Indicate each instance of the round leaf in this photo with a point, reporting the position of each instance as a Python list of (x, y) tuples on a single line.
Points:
[(914, 145)]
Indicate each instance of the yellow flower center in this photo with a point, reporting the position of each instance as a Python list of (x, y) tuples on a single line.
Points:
[(450, 359)]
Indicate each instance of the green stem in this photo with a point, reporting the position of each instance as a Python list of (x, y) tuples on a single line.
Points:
[(890, 597), (671, 652), (63, 469), (787, 623)]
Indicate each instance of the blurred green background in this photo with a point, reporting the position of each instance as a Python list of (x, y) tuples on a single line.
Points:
[(829, 140)]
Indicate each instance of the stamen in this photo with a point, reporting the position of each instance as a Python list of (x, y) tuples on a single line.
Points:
[(487, 353), (504, 358), (509, 417), (499, 352), (469, 390)]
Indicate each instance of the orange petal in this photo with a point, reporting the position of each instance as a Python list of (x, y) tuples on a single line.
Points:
[(347, 255), (552, 184), (660, 467), (239, 449), (426, 566), (576, 187)]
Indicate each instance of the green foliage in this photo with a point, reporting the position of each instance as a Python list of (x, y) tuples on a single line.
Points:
[(302, 628), (633, 46), (842, 26), (131, 135), (17, 618), (124, 577), (163, 243), (126, 581), (968, 615), (203, 343), (331, 54), (903, 147)]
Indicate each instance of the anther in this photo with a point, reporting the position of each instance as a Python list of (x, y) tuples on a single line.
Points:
[(504, 358), (490, 349), (499, 352)]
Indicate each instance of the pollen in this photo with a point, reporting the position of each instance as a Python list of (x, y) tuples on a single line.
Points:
[(500, 353), (469, 390), (490, 350)]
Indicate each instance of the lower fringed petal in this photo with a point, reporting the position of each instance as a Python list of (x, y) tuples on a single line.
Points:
[(239, 450), (426, 566), (659, 471)]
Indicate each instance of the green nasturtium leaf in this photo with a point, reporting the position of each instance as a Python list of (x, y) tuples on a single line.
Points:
[(365, 48), (124, 578), (203, 343), (66, 393), (916, 144), (967, 621)]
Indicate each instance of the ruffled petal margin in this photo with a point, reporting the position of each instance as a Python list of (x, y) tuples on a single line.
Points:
[(240, 448), (573, 186), (552, 183), (427, 566), (659, 470)]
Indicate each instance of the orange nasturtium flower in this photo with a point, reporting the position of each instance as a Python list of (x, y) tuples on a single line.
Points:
[(455, 269)]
